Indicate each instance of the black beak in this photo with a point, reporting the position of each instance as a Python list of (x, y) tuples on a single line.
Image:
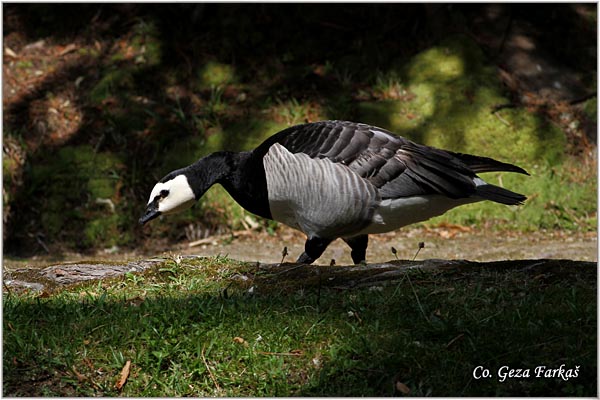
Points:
[(150, 214)]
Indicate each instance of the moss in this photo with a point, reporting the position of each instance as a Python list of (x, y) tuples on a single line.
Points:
[(131, 117), (112, 81), (24, 64), (228, 212), (88, 52), (437, 65), (182, 153), (102, 232), (68, 184), (244, 134), (215, 74), (291, 111), (147, 44), (9, 168), (591, 109)]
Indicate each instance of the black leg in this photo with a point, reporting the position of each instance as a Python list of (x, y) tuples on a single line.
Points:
[(358, 244), (313, 248)]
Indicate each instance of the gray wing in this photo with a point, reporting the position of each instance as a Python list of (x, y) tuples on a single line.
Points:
[(394, 165)]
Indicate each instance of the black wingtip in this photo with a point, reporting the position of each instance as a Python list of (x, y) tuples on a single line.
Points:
[(485, 164), (519, 170)]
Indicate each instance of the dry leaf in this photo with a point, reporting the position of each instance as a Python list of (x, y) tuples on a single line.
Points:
[(67, 49), (80, 377), (136, 301), (124, 375), (240, 340), (447, 234), (9, 52), (402, 388), (88, 363)]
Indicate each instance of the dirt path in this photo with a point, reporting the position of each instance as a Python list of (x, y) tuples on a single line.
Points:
[(444, 243), (449, 242)]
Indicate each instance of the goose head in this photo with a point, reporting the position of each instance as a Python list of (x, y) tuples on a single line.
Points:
[(171, 194), (180, 189)]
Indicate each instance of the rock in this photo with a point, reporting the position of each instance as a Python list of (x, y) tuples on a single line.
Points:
[(68, 274), (72, 273)]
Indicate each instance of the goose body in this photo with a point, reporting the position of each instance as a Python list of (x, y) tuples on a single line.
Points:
[(337, 179)]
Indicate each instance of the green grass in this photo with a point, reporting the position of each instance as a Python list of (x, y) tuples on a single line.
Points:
[(197, 328)]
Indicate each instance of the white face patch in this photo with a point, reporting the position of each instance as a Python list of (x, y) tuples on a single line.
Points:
[(174, 195)]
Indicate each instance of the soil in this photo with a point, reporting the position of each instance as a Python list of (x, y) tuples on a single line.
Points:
[(440, 243), (443, 242)]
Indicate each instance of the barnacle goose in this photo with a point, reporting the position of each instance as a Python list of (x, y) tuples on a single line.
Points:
[(337, 179)]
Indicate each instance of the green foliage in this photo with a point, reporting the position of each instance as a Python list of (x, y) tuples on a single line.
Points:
[(114, 80), (146, 44), (105, 230), (9, 167), (25, 64), (291, 111), (215, 74), (591, 109)]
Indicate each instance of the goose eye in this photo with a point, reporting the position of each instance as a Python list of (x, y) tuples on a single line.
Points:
[(161, 195)]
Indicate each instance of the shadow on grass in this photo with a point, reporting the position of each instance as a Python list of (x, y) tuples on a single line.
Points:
[(282, 331)]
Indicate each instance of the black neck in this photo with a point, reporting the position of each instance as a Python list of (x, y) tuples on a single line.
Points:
[(247, 184), (242, 175), (207, 171)]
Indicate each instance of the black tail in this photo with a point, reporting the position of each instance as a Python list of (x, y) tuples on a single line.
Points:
[(486, 164), (491, 192), (500, 195)]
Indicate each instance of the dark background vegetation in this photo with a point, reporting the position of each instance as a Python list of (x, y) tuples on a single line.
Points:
[(100, 101)]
